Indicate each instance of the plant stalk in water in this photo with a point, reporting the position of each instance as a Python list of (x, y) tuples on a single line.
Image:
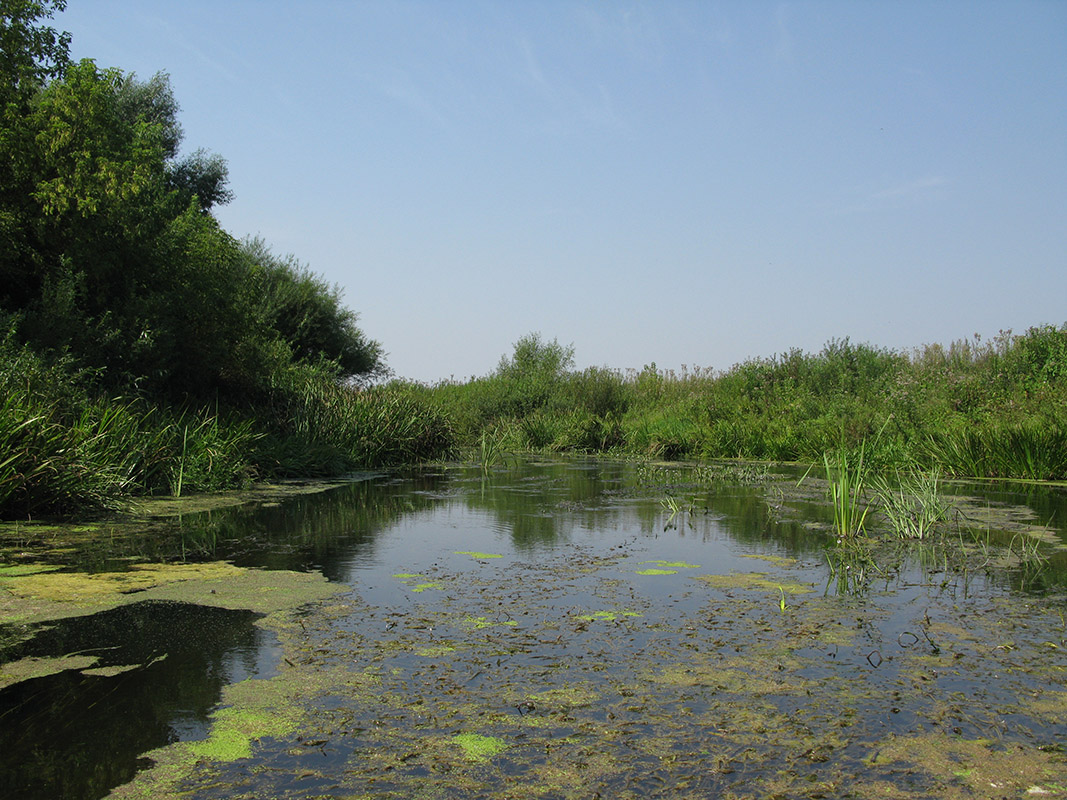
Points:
[(847, 484)]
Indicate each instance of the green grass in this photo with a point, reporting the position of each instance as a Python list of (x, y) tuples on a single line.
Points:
[(912, 504), (66, 450), (994, 408)]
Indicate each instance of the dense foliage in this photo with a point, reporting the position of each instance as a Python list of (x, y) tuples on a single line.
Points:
[(142, 348), (996, 409)]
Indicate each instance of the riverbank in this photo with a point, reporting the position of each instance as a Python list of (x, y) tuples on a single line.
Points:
[(974, 408)]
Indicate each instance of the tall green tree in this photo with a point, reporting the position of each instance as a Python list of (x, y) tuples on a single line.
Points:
[(31, 52), (108, 249), (309, 315)]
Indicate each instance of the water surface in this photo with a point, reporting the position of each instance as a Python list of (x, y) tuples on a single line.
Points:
[(568, 629)]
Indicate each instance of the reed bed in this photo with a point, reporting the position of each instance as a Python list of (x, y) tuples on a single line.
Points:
[(976, 408), (67, 450)]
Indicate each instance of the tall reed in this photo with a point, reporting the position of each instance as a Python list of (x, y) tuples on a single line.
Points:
[(847, 478)]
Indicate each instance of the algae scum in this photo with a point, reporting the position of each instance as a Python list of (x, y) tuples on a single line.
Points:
[(550, 630)]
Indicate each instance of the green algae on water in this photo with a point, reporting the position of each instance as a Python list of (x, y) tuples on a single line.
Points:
[(477, 555), (779, 561), (15, 570), (484, 622), (665, 567), (607, 616), (755, 581), (110, 672), (435, 650), (28, 668), (408, 578), (672, 564), (235, 729), (478, 747), (44, 596)]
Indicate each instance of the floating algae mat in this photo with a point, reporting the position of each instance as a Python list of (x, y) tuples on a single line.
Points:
[(547, 631)]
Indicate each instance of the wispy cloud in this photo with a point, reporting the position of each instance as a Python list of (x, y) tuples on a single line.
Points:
[(533, 70), (570, 104), (783, 48), (400, 87), (910, 188)]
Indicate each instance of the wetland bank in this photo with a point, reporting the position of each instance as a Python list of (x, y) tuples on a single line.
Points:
[(544, 628)]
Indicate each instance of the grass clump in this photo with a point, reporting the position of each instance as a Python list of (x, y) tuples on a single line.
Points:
[(912, 504), (67, 447), (847, 479)]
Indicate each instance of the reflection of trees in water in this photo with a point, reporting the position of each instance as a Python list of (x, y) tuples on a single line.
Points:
[(319, 530), (541, 503), (75, 736), (296, 532)]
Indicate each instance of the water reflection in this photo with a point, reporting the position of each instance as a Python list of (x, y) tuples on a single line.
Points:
[(76, 734)]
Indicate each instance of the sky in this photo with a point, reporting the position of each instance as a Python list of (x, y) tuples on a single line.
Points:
[(690, 184)]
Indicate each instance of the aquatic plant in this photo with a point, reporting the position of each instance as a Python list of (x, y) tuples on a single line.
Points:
[(491, 449), (1035, 450), (477, 747), (912, 504), (846, 478), (319, 426), (96, 455)]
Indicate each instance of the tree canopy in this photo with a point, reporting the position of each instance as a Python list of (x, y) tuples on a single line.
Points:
[(108, 248)]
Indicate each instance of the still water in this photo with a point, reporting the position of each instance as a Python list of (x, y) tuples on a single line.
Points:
[(569, 629)]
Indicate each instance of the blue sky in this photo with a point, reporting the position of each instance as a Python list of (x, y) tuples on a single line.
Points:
[(673, 182)]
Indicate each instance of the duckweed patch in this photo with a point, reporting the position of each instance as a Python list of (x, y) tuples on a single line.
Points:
[(46, 595), (779, 561), (80, 588), (608, 616), (476, 555), (675, 565), (236, 728), (435, 651), (484, 622), (15, 570), (110, 672), (754, 581), (29, 668), (478, 747), (417, 583)]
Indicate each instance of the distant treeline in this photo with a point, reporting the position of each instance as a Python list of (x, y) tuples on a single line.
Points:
[(142, 348), (993, 409)]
